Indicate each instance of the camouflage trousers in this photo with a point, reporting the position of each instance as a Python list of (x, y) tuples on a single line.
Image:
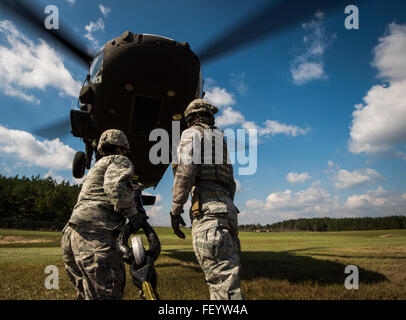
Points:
[(93, 264), (217, 249)]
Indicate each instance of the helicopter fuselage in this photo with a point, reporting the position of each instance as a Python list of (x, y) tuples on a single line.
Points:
[(136, 83)]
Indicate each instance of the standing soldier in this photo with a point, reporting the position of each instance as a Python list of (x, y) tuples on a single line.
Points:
[(213, 213), (92, 262)]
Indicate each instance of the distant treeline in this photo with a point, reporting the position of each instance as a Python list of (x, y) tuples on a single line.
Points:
[(330, 224), (42, 203), (35, 201)]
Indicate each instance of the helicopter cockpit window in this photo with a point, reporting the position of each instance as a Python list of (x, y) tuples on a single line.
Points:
[(96, 67)]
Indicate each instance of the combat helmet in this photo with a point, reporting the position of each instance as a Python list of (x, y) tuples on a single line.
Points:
[(200, 106), (113, 137)]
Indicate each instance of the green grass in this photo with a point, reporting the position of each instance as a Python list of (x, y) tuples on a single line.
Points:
[(300, 265)]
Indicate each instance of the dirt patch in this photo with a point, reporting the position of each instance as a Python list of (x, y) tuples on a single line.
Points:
[(388, 235), (21, 239)]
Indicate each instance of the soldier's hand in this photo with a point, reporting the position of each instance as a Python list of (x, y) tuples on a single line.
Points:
[(176, 221)]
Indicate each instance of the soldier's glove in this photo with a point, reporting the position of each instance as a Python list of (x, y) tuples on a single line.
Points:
[(176, 221)]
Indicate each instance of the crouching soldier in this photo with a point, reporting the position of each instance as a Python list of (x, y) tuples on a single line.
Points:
[(93, 264), (213, 213)]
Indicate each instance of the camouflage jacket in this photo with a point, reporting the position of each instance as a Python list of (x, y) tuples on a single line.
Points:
[(106, 195), (187, 177)]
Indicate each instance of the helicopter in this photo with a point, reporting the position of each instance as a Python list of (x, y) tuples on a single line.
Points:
[(122, 92), (140, 82)]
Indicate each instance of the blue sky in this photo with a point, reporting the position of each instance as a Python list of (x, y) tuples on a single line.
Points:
[(329, 103)]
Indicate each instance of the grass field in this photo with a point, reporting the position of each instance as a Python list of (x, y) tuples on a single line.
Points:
[(300, 265)]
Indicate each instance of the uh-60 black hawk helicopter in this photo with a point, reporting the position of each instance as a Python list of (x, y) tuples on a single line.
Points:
[(136, 83), (139, 82)]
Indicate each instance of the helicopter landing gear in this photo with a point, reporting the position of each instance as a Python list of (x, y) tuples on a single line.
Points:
[(78, 165), (82, 161)]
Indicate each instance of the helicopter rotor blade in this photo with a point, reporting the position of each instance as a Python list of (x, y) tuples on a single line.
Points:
[(36, 18), (269, 18), (57, 129)]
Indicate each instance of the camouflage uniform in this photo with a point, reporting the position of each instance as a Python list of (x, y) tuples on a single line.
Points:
[(91, 259), (93, 264), (213, 213)]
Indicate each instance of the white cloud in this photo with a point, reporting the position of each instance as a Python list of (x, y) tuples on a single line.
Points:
[(219, 97), (79, 181), (157, 215), (91, 28), (311, 200), (71, 1), (104, 10), (390, 57), (379, 123), (401, 154), (284, 205), (238, 81), (254, 204), (294, 177), (378, 202), (351, 179), (53, 175), (229, 117), (18, 93), (30, 151), (307, 71), (308, 65), (316, 183), (187, 205), (26, 65), (316, 202), (273, 127), (278, 199), (155, 211), (238, 187)]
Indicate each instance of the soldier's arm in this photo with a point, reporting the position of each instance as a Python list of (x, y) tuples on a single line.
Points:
[(117, 184), (184, 173)]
